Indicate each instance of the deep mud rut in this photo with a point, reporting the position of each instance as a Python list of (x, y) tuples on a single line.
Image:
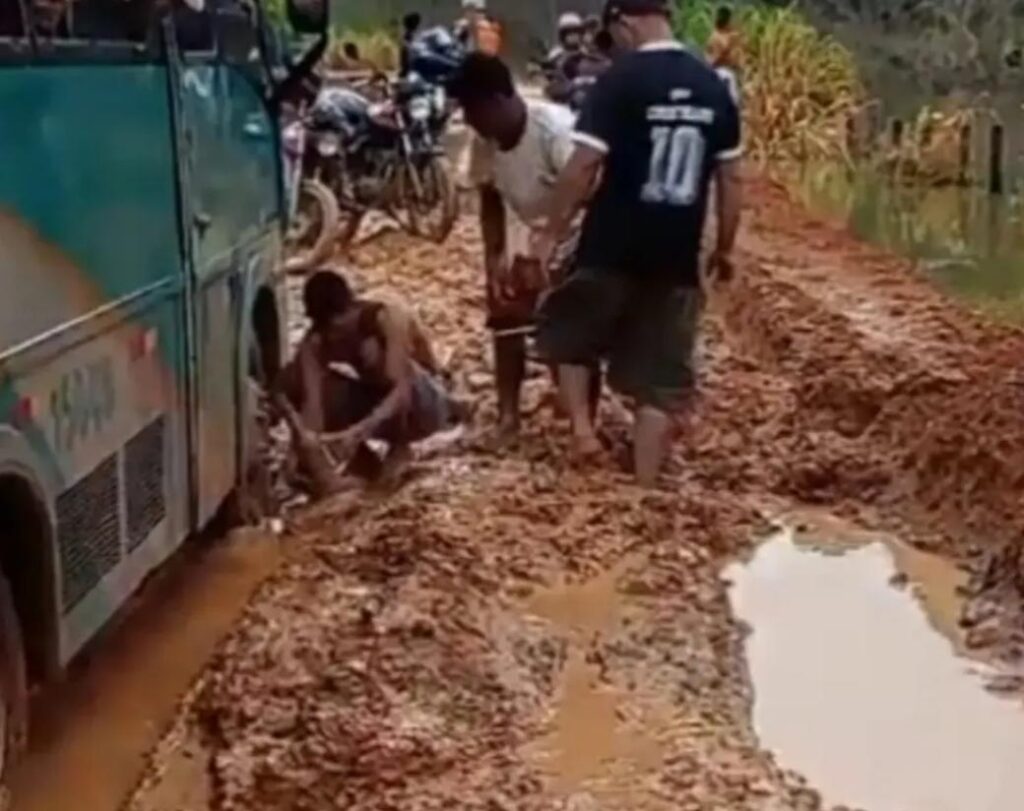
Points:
[(505, 632)]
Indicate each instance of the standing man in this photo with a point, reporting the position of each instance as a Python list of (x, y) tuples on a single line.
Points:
[(725, 51), (476, 30), (521, 148), (658, 126), (411, 24)]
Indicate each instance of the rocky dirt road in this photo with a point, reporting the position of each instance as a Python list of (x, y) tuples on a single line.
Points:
[(505, 632)]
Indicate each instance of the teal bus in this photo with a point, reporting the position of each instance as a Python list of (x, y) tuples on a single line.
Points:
[(141, 219)]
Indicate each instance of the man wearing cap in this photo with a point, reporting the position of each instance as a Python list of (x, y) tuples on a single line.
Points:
[(571, 68), (655, 130), (476, 30)]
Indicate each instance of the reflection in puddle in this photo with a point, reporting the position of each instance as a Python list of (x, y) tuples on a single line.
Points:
[(856, 690), (970, 241), (597, 740)]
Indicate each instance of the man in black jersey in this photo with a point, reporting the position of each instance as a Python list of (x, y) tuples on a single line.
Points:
[(655, 130)]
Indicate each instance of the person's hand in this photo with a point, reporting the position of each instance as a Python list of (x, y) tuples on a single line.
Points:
[(343, 445), (720, 267), (500, 278), (542, 248)]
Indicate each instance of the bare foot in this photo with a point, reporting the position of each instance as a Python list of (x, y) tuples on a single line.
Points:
[(396, 462), (507, 430), (587, 449)]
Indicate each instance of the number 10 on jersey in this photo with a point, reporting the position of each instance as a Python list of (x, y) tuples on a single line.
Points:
[(677, 158)]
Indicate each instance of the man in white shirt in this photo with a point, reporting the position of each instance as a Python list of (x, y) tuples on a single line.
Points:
[(521, 148)]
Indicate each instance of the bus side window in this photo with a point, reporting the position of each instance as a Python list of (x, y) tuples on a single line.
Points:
[(236, 34), (11, 24), (193, 24)]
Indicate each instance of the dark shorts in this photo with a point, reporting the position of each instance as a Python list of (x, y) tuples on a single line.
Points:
[(646, 330)]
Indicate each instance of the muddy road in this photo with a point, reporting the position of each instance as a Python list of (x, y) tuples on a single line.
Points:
[(506, 632)]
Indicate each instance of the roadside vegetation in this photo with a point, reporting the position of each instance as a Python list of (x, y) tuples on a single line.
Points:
[(800, 86)]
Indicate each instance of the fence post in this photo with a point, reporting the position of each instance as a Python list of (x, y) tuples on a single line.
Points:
[(852, 136), (965, 154), (995, 168), (896, 132)]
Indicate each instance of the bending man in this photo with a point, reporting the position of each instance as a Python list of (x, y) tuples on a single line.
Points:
[(521, 149)]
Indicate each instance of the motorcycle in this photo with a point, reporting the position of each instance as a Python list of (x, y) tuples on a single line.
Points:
[(385, 156), (313, 212)]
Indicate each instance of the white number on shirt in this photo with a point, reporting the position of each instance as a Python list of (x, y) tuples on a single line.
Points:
[(677, 156)]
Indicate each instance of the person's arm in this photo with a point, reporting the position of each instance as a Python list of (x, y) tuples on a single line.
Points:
[(311, 372), (729, 206), (398, 369), (728, 188), (572, 190), (492, 229), (595, 131), (422, 349)]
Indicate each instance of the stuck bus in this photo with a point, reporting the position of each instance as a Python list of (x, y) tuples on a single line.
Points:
[(141, 220)]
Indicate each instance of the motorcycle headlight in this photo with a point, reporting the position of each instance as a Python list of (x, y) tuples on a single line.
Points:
[(419, 109), (328, 145)]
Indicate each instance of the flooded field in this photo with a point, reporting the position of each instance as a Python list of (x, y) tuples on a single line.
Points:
[(859, 683), (971, 242)]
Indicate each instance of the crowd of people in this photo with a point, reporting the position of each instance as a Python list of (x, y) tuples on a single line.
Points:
[(592, 229)]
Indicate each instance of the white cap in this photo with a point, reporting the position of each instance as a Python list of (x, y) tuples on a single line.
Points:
[(474, 5), (569, 21)]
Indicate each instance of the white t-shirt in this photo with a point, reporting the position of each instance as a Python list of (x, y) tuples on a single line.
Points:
[(525, 176)]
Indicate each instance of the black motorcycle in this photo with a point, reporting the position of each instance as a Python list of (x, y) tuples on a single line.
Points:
[(386, 155)]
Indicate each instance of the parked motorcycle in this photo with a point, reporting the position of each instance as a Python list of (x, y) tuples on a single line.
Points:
[(385, 156)]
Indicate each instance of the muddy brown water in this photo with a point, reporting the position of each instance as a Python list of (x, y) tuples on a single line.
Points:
[(91, 735), (859, 683), (600, 740)]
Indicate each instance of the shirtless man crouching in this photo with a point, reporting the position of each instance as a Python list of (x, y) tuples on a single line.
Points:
[(366, 370)]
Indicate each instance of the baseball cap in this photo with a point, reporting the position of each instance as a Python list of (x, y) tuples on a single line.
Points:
[(570, 21), (474, 5), (615, 9)]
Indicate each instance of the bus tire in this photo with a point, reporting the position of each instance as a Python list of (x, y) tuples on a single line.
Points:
[(13, 686)]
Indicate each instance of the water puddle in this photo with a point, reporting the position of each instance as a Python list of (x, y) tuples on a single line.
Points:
[(91, 734), (858, 684), (601, 740)]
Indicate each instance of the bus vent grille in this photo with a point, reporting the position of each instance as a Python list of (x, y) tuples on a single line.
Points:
[(89, 531), (144, 482)]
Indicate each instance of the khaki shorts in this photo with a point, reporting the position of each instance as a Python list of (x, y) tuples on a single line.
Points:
[(645, 329)]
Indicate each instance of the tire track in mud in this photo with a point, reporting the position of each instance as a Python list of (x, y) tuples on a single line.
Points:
[(396, 663)]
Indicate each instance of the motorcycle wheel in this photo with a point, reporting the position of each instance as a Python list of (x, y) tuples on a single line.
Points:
[(311, 235), (348, 226), (430, 200)]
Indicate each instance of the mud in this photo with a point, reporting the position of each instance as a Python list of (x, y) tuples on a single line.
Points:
[(420, 652), (92, 735)]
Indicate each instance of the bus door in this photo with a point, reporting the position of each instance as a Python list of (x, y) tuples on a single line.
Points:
[(230, 222)]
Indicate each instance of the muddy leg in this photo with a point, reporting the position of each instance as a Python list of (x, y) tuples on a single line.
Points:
[(510, 371), (574, 383), (650, 444)]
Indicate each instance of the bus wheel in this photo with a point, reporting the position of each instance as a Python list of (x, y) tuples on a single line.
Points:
[(13, 685)]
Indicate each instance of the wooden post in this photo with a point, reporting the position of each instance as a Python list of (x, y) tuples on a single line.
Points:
[(965, 154), (896, 132), (995, 168), (852, 141)]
